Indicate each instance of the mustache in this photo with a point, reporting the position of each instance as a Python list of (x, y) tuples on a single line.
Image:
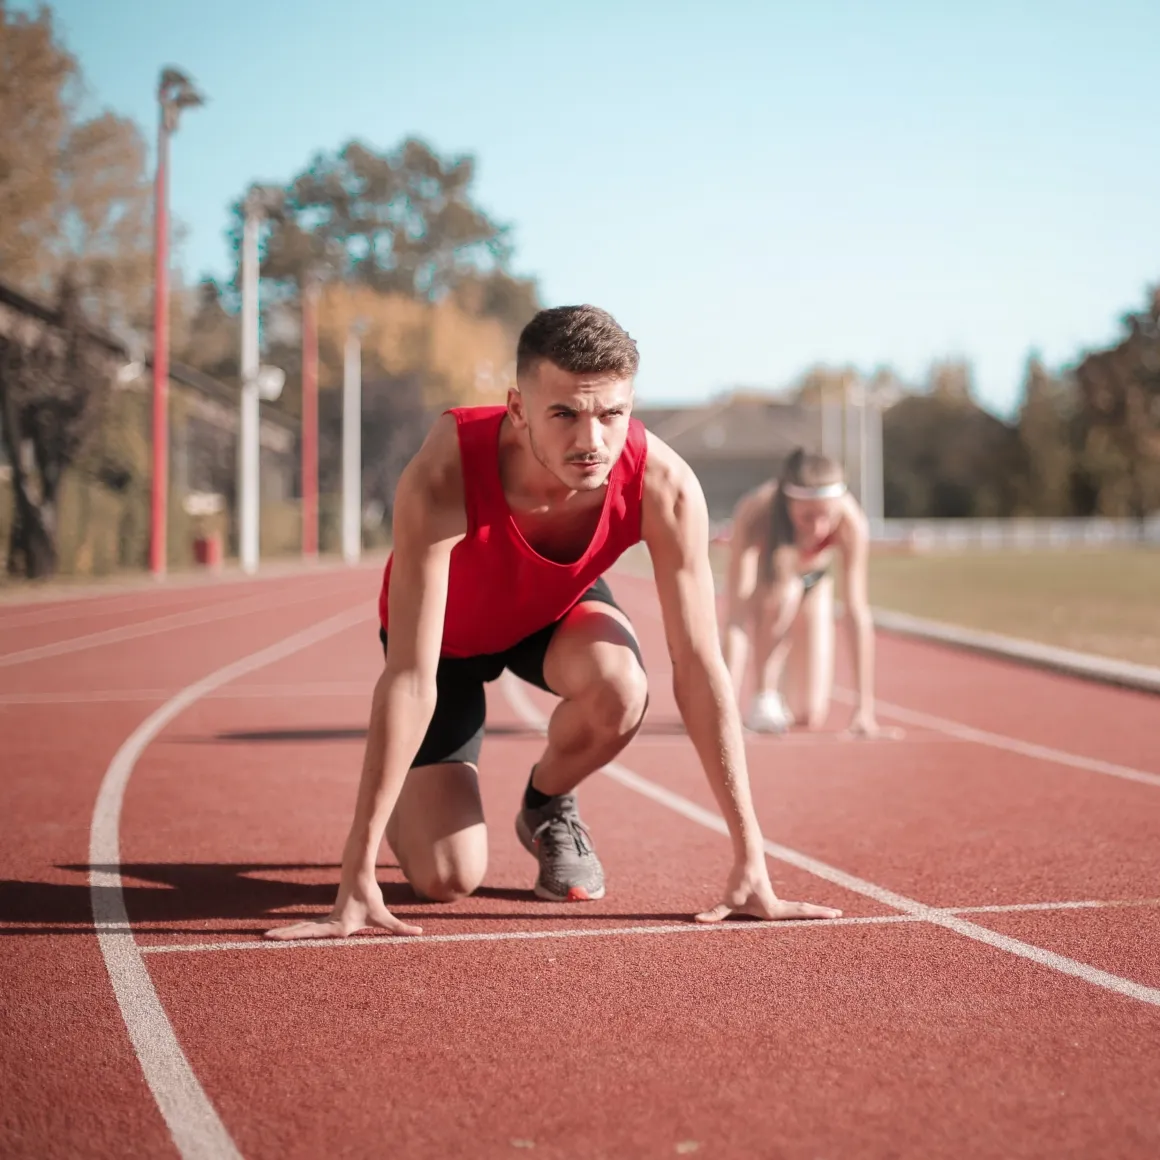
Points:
[(587, 460)]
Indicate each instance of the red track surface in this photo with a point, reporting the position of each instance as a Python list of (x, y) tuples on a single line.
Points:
[(853, 1039)]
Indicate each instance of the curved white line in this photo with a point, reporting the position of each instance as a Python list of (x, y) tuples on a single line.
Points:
[(192, 1121), (152, 626)]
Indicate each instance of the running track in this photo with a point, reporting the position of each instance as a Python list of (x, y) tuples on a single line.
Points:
[(178, 769)]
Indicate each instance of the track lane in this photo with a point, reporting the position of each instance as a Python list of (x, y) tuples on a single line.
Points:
[(78, 1090), (254, 779)]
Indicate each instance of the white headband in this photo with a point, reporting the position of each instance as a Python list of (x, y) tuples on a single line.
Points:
[(826, 491)]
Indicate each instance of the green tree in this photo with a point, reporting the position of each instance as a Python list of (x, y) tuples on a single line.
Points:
[(1118, 421), (397, 241), (74, 193), (402, 221), (1044, 430), (75, 226), (944, 456), (51, 391), (37, 96)]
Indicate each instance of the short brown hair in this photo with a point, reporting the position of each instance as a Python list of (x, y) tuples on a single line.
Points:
[(583, 340)]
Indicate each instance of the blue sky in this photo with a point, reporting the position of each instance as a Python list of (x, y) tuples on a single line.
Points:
[(751, 187)]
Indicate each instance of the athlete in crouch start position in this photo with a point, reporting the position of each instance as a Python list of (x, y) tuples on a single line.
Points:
[(779, 587), (505, 522)]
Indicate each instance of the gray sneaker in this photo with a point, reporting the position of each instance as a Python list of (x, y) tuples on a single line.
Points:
[(561, 843)]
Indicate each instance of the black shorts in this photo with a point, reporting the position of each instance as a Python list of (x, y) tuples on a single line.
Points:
[(457, 725)]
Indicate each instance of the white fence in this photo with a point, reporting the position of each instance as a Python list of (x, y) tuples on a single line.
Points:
[(960, 535), (972, 535)]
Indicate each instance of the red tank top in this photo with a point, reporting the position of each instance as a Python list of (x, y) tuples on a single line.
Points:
[(500, 588)]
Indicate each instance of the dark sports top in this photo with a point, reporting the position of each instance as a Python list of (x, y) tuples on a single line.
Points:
[(500, 588)]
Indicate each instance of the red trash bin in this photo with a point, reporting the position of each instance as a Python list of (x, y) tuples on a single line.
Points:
[(207, 551)]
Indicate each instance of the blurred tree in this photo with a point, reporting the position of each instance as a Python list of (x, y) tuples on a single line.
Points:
[(37, 99), (1044, 429), (952, 380), (821, 383), (1118, 421), (394, 238), (944, 455), (417, 358), (212, 336), (52, 388), (458, 356), (74, 193), (401, 222)]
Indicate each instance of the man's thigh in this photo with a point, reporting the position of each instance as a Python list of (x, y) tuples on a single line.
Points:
[(455, 733), (595, 641), (437, 826)]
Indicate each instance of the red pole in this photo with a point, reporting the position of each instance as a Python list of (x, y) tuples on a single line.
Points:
[(158, 529), (310, 419)]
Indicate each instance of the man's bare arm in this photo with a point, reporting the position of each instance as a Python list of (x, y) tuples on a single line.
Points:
[(428, 523), (675, 529)]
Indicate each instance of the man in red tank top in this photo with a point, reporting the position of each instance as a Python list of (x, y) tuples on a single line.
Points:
[(504, 524)]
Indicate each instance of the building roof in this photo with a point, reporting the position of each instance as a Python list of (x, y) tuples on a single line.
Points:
[(734, 428)]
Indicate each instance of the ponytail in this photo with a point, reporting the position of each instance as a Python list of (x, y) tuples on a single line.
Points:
[(781, 526)]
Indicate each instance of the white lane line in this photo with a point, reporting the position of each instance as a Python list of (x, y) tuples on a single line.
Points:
[(151, 627), (1008, 744), (525, 708), (244, 692), (689, 927), (1089, 904), (371, 940), (194, 1124)]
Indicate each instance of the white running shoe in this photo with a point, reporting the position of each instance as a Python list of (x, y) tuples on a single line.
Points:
[(767, 714)]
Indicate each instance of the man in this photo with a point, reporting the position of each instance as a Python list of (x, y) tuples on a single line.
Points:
[(504, 523)]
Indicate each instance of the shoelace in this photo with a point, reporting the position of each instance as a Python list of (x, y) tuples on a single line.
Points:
[(562, 828)]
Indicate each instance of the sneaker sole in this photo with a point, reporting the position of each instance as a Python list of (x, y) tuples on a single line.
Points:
[(575, 894)]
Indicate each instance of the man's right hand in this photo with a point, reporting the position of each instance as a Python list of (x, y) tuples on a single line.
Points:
[(359, 905)]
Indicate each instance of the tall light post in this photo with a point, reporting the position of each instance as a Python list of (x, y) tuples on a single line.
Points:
[(258, 382), (175, 92), (352, 445), (831, 407), (866, 401), (310, 294)]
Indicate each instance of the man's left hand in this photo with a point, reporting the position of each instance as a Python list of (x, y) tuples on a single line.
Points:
[(749, 892)]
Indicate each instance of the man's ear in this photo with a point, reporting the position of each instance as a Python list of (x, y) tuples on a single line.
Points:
[(516, 411)]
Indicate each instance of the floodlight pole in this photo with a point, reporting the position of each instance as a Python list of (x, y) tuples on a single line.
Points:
[(174, 93)]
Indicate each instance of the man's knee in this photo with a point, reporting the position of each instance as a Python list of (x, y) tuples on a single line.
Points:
[(447, 880), (450, 887), (618, 699)]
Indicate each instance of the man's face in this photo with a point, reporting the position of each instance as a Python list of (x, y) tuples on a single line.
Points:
[(576, 424)]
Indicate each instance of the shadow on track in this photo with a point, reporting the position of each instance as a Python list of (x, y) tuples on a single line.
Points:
[(184, 897), (662, 728)]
